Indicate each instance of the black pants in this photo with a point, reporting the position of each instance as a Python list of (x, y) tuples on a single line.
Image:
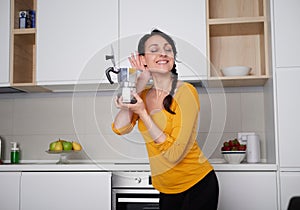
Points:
[(202, 196)]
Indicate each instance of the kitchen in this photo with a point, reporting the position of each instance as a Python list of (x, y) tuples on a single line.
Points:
[(50, 109)]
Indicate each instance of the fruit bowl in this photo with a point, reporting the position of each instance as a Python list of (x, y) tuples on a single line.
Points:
[(63, 155), (63, 148), (234, 157), (236, 71)]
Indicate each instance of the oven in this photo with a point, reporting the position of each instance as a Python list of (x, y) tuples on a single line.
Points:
[(132, 190)]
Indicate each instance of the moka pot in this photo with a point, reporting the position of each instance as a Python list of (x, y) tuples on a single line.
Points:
[(127, 82)]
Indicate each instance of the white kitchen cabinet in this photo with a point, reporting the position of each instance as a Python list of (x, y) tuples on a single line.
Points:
[(65, 190), (289, 187), (247, 190), (184, 21), (4, 41), (287, 32), (9, 190), (288, 104), (73, 38)]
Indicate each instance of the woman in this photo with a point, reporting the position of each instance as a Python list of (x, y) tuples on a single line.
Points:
[(167, 116)]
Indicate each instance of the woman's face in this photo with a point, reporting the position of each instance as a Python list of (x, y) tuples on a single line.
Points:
[(159, 55)]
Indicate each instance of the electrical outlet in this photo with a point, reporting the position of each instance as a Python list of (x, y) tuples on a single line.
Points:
[(241, 134)]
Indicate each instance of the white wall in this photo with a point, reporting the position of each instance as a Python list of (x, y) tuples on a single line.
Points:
[(34, 120)]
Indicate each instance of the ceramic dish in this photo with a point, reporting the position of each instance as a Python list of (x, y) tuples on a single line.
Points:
[(232, 71), (234, 157)]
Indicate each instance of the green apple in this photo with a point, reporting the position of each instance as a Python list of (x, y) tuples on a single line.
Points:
[(52, 145), (67, 145)]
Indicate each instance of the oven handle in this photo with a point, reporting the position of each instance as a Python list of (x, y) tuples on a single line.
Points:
[(138, 200)]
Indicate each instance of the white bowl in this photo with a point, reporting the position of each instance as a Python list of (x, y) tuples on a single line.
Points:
[(236, 71), (234, 157)]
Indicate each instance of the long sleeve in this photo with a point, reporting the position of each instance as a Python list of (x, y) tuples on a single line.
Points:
[(127, 128)]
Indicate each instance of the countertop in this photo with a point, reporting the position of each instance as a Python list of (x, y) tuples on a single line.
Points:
[(105, 166)]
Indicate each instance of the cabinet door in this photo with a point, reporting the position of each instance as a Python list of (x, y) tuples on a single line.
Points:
[(184, 21), (73, 38), (9, 190), (4, 41), (66, 190), (288, 103), (247, 190), (286, 19), (289, 187)]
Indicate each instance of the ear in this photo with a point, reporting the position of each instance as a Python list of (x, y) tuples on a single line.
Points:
[(143, 60)]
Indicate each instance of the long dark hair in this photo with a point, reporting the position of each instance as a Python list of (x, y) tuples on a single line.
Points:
[(141, 50)]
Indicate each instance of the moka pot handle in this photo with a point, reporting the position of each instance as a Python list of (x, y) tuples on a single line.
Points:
[(107, 72)]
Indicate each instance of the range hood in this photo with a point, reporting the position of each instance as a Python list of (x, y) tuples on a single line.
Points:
[(10, 90)]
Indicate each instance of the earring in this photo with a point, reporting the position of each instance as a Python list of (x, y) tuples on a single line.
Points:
[(145, 65)]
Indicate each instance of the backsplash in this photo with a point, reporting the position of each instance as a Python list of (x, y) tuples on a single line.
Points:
[(36, 119)]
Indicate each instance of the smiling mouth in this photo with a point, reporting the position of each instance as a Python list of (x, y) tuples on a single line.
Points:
[(162, 62)]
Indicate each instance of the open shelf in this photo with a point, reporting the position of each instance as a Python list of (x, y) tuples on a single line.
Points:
[(237, 45), (237, 35), (24, 31), (24, 58), (235, 20), (23, 46), (235, 8)]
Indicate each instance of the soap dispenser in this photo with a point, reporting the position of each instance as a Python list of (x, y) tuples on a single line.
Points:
[(14, 153)]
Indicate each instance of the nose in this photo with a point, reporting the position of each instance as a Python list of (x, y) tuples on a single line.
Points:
[(163, 52)]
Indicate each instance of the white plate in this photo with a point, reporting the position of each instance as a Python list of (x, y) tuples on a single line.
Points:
[(62, 152)]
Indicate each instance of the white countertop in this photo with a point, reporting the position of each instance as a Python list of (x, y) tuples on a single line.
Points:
[(123, 167)]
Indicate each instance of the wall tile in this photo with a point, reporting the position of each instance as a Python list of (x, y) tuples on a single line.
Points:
[(114, 147), (100, 115), (43, 116), (252, 111), (34, 120), (80, 112), (233, 115), (6, 117), (212, 112)]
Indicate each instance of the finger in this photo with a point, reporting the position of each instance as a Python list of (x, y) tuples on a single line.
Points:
[(138, 58), (117, 104), (133, 60), (123, 105), (136, 96), (130, 61), (133, 57)]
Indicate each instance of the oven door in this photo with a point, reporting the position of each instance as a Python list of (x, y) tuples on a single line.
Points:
[(135, 199)]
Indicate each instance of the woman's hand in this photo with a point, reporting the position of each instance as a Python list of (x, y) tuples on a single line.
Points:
[(136, 62), (144, 77), (138, 107)]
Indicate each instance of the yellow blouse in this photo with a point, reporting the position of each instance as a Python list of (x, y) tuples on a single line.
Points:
[(178, 163)]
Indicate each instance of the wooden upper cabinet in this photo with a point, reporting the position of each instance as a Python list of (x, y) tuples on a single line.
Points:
[(238, 35), (23, 48)]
